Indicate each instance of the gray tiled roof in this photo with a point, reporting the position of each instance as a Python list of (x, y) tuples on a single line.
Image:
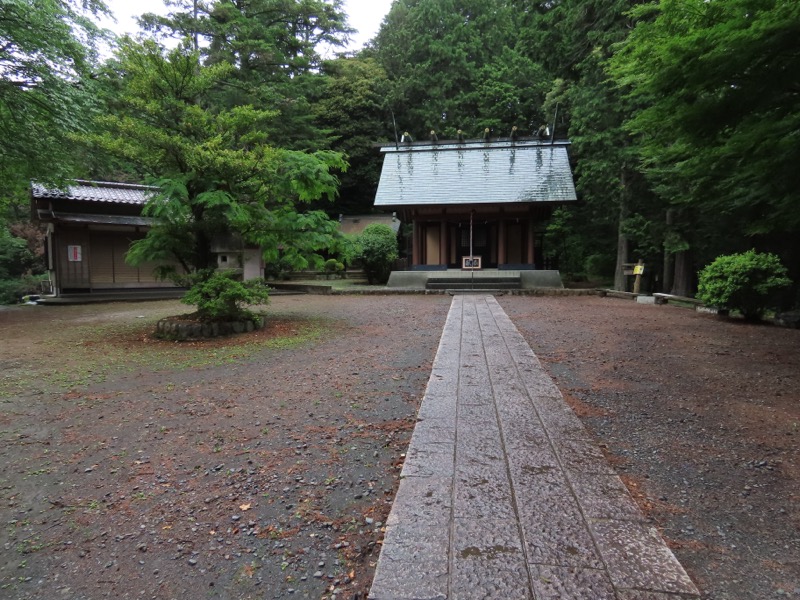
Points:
[(482, 173), (98, 191)]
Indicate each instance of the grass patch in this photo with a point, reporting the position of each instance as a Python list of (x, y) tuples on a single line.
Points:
[(78, 356)]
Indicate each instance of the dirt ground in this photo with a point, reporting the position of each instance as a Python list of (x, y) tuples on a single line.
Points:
[(264, 466)]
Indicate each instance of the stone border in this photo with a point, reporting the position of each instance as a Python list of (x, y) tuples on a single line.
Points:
[(182, 330)]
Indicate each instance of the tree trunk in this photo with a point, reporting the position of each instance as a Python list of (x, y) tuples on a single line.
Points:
[(669, 258), (682, 285), (620, 283)]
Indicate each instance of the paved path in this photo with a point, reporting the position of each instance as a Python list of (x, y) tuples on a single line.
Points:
[(503, 493)]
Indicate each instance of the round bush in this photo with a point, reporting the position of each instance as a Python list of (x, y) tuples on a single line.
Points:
[(746, 282), (378, 252), (219, 296)]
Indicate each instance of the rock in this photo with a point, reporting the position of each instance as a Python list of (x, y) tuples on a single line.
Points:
[(318, 574), (788, 319)]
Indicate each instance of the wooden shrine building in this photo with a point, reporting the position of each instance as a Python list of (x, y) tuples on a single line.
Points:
[(480, 204), (90, 228)]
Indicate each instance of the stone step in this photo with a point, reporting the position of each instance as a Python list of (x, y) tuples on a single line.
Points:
[(474, 285)]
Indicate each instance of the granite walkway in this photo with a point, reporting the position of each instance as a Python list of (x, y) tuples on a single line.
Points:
[(504, 494)]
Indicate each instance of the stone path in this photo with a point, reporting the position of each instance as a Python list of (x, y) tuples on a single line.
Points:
[(503, 493)]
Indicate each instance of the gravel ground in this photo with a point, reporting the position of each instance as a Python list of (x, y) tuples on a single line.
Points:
[(263, 466), (701, 418)]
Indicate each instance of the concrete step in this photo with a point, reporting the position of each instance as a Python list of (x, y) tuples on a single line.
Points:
[(474, 285)]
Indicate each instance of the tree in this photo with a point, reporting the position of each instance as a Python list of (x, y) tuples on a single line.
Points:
[(260, 38), (219, 176), (572, 39), (47, 51), (378, 252), (746, 282), (720, 108), (456, 65), (272, 46), (352, 107)]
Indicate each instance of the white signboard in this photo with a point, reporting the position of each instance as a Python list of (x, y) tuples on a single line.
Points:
[(74, 254)]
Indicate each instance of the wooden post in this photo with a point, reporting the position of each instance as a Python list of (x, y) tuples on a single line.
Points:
[(501, 241), (638, 271)]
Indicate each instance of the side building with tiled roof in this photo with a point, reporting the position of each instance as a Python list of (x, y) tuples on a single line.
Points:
[(90, 228), (476, 199)]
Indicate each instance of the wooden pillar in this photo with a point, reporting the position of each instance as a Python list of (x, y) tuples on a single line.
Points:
[(531, 241), (415, 244), (501, 242), (443, 256)]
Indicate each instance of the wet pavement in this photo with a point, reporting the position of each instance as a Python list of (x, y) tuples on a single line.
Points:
[(503, 492)]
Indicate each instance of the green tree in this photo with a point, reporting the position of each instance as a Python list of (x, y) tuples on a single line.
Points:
[(219, 296), (378, 252), (352, 107), (273, 47), (572, 39), (455, 65), (746, 282), (47, 52), (720, 109), (218, 173)]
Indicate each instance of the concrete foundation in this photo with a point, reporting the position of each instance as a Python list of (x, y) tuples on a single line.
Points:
[(529, 279)]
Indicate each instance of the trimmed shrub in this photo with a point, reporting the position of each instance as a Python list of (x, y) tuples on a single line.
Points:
[(218, 296), (378, 252), (746, 282), (333, 267)]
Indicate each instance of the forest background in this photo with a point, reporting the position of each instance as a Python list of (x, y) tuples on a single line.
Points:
[(684, 117)]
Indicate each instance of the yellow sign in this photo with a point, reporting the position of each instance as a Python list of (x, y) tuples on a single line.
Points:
[(638, 270)]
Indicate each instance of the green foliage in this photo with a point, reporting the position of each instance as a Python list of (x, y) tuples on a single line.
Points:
[(272, 47), (352, 106), (218, 174), (12, 290), (457, 65), (333, 266), (220, 297), (600, 266), (15, 256), (719, 110), (378, 252), (278, 269), (47, 53), (746, 282), (263, 38), (17, 263)]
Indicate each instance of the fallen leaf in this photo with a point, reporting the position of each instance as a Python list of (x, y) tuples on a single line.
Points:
[(244, 507)]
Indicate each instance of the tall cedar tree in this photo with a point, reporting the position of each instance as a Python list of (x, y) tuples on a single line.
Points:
[(720, 119), (273, 47), (219, 173)]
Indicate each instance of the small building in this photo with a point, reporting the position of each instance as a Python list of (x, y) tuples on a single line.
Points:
[(90, 227), (476, 204)]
